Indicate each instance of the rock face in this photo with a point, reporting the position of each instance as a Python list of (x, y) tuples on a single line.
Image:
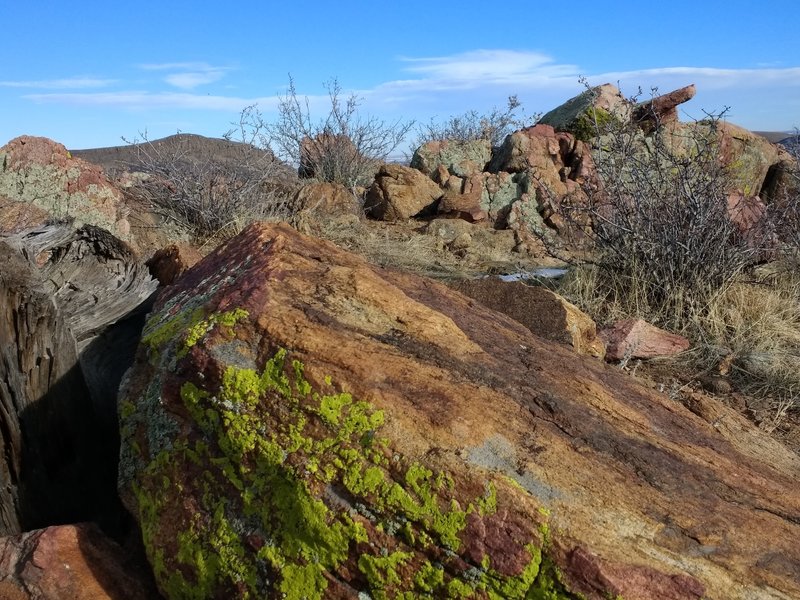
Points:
[(60, 292), (70, 562), (663, 109), (42, 173), (544, 312), (583, 113), (400, 193), (462, 159), (172, 261), (635, 338), (301, 423)]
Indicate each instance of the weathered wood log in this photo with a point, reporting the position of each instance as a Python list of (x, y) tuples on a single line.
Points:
[(66, 298)]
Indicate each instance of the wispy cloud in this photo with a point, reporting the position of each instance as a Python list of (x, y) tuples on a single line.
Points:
[(140, 100), (487, 67), (60, 84), (188, 75)]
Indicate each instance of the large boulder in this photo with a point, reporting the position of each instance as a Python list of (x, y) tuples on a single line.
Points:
[(460, 158), (399, 193), (42, 173), (70, 562), (593, 108), (299, 423)]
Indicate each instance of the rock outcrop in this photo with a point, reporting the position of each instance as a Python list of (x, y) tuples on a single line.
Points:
[(400, 193), (70, 562), (662, 110), (459, 158), (42, 173), (300, 423), (592, 109)]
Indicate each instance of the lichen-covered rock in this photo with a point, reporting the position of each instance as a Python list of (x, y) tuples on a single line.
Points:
[(38, 171), (460, 158), (300, 423), (70, 562), (594, 107), (399, 193)]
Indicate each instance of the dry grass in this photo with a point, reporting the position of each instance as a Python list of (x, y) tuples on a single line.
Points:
[(749, 332), (755, 327)]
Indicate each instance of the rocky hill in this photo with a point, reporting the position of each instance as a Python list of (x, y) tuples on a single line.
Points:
[(276, 416)]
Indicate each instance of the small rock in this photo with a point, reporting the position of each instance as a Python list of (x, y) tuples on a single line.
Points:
[(635, 338)]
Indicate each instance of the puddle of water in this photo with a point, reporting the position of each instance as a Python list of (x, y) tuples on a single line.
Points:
[(540, 272)]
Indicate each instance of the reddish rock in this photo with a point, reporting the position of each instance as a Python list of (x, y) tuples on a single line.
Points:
[(400, 193), (17, 216), (544, 312), (463, 441), (169, 263), (662, 110), (323, 198), (635, 338), (461, 206), (70, 562)]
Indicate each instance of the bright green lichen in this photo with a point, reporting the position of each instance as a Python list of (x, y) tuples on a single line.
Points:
[(381, 571), (268, 451), (198, 330)]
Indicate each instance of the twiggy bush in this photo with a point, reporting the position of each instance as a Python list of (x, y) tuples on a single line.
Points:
[(343, 147), (214, 187), (660, 233), (492, 126)]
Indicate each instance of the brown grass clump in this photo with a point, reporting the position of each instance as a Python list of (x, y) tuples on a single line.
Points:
[(748, 333), (755, 328)]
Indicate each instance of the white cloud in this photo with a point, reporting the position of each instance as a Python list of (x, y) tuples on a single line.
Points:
[(60, 84), (486, 67), (188, 75)]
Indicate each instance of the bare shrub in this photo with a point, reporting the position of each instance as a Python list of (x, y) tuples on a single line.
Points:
[(659, 227), (492, 126), (214, 187), (342, 147)]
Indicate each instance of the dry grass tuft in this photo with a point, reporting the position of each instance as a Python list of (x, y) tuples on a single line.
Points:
[(749, 332), (755, 327)]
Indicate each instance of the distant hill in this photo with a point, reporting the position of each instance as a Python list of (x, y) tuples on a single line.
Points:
[(774, 136), (185, 147)]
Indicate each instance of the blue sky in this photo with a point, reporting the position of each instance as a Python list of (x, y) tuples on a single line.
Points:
[(86, 73)]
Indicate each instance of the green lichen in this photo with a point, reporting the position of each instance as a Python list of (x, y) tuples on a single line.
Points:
[(266, 455), (591, 123), (197, 331), (381, 571)]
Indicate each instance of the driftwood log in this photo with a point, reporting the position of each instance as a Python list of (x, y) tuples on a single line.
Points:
[(71, 307)]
